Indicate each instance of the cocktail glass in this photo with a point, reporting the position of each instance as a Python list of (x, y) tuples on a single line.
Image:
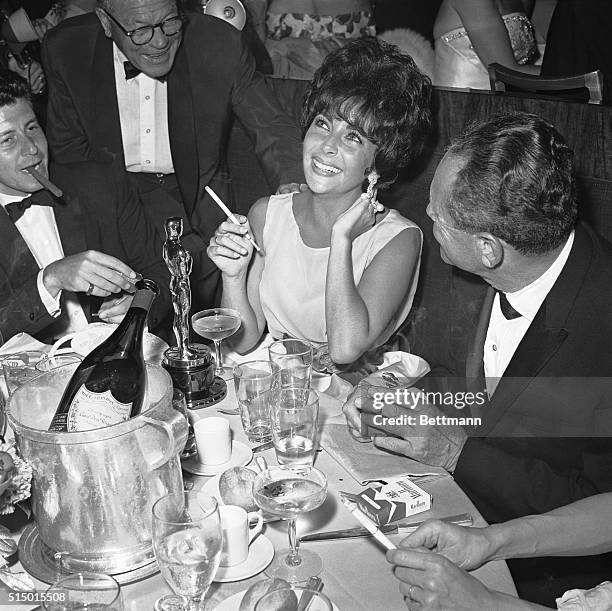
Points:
[(216, 324), (294, 414), (83, 592), (187, 541), (288, 491)]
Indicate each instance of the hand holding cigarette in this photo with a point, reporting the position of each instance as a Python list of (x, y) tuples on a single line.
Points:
[(230, 216)]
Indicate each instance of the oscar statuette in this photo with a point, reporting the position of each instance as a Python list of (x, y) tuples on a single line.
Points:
[(190, 364)]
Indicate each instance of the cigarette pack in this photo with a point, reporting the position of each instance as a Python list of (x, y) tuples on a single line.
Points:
[(395, 499)]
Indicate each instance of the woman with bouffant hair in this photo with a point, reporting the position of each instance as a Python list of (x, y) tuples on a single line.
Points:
[(339, 268)]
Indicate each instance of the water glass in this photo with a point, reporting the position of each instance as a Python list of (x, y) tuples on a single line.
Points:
[(294, 414), (84, 591), (252, 380), (187, 541), (294, 357), (20, 367)]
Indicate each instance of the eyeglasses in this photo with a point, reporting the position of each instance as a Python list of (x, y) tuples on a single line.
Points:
[(143, 35)]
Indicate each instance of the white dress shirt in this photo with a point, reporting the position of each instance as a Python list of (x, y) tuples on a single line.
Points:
[(143, 114), (39, 231), (503, 335)]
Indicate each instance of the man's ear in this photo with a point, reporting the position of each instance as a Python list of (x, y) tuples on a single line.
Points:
[(490, 250), (105, 22)]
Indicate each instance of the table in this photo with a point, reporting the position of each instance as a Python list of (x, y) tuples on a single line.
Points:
[(356, 575)]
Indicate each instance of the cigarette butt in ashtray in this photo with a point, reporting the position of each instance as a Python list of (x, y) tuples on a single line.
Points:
[(45, 182)]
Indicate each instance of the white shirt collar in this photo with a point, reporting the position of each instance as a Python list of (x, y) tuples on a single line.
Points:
[(6, 199), (527, 301)]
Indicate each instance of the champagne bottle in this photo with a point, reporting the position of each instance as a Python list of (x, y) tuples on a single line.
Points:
[(109, 385)]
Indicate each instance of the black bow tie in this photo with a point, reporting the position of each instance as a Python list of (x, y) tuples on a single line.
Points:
[(506, 307), (15, 210), (132, 72)]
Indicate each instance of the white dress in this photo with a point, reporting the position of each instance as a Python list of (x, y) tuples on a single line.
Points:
[(292, 287), (458, 65)]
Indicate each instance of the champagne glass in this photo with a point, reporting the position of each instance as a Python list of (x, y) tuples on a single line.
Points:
[(287, 491), (84, 592), (187, 541), (217, 324)]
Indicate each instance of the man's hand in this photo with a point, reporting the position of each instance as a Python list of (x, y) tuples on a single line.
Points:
[(437, 445), (75, 273), (468, 548), (292, 187), (352, 406), (433, 583), (113, 309)]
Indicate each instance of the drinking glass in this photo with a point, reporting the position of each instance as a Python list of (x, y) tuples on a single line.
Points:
[(251, 380), (291, 596), (217, 324), (20, 368), (84, 592), (288, 491), (294, 357), (187, 542), (294, 414)]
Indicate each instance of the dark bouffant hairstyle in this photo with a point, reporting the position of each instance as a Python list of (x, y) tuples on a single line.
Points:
[(516, 183), (380, 91), (12, 88)]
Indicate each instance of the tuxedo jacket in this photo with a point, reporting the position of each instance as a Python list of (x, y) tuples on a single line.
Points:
[(546, 438), (212, 80), (98, 211)]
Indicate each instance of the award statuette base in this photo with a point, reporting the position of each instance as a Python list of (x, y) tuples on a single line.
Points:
[(195, 376)]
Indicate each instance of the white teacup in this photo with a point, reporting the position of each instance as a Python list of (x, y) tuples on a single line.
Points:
[(213, 440), (239, 531)]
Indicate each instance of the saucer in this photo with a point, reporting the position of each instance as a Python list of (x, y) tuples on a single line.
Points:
[(241, 455), (233, 602), (260, 555)]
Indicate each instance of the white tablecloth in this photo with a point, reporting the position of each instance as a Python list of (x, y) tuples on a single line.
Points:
[(356, 575)]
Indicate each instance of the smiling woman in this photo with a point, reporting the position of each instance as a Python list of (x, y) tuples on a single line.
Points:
[(338, 268)]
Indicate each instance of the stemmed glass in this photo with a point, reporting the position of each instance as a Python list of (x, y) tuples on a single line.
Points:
[(217, 324), (187, 541), (288, 491)]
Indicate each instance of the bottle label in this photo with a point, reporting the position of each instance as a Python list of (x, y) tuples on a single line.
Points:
[(93, 410)]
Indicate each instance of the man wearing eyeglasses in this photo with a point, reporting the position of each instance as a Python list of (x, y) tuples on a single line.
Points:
[(140, 82)]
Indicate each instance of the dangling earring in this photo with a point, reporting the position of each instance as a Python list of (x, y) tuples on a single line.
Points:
[(371, 192)]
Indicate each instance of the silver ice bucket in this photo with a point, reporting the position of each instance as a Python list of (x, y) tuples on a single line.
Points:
[(92, 491)]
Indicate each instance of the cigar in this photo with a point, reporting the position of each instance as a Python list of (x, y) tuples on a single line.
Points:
[(45, 182)]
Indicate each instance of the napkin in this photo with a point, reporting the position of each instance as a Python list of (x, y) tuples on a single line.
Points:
[(598, 598), (366, 463), (22, 342), (404, 367)]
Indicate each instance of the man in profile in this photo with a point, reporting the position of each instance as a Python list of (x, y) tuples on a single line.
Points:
[(64, 260), (503, 203), (140, 82)]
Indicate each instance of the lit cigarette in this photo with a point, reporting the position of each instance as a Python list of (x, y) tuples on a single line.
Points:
[(365, 521), (45, 182), (230, 215)]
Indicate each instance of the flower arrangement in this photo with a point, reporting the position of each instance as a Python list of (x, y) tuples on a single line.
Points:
[(15, 479)]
